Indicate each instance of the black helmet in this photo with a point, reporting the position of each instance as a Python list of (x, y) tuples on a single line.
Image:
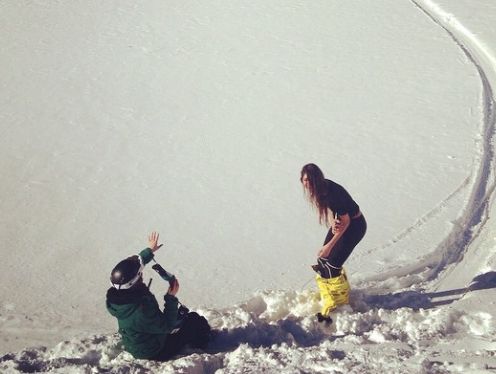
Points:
[(127, 273)]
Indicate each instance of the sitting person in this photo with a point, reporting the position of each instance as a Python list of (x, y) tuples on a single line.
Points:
[(146, 331)]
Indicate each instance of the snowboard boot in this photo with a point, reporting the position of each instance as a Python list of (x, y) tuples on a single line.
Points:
[(333, 292)]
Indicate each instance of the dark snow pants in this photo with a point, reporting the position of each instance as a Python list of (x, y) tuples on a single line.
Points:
[(331, 265), (194, 332)]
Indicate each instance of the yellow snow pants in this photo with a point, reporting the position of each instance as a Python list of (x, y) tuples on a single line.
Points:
[(333, 292)]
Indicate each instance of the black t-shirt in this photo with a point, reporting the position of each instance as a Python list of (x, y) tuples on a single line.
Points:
[(339, 200)]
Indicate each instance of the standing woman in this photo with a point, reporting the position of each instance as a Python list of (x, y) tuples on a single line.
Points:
[(347, 226)]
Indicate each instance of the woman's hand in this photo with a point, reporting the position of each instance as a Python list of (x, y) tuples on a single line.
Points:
[(340, 224), (323, 252), (336, 226), (153, 241), (173, 288)]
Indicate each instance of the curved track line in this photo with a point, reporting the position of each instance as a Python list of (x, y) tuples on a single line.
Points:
[(470, 225), (438, 208), (472, 221)]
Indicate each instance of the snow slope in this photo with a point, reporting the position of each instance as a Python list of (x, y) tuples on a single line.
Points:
[(195, 120)]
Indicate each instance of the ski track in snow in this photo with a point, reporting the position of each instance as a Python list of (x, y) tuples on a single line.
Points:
[(474, 215), (405, 233), (265, 329), (470, 225)]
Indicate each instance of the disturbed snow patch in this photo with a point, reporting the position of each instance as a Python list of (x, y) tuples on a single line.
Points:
[(275, 331)]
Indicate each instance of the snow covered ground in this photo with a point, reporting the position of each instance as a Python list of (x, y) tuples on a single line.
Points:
[(194, 119)]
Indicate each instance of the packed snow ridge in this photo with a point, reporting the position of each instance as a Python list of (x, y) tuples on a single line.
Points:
[(274, 332)]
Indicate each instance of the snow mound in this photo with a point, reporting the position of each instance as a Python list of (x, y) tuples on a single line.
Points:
[(275, 331)]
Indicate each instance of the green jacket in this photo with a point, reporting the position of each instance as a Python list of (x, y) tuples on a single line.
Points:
[(142, 325)]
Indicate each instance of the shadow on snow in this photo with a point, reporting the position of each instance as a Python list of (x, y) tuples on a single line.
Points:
[(427, 300)]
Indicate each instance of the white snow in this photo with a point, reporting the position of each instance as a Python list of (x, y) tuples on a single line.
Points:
[(194, 119)]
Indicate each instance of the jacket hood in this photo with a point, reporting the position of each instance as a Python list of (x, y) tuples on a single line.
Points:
[(123, 303)]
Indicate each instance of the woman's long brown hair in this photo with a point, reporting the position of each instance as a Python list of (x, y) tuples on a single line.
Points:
[(317, 192)]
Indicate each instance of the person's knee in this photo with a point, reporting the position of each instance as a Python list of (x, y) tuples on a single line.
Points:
[(198, 328)]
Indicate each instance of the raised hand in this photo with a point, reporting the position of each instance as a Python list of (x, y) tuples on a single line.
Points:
[(153, 241)]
